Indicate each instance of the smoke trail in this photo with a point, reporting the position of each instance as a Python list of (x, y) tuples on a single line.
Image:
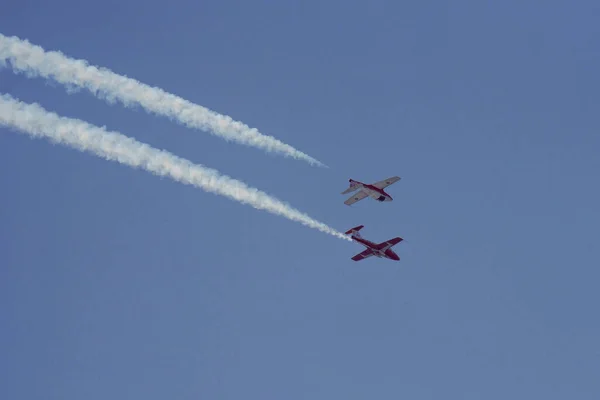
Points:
[(35, 121), (34, 61)]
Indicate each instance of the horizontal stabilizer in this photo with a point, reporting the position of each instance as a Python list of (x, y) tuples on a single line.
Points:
[(354, 230)]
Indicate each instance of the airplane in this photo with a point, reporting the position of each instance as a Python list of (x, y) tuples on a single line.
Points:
[(381, 250), (374, 190)]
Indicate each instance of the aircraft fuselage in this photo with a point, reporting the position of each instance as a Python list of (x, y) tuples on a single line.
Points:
[(374, 192), (385, 252)]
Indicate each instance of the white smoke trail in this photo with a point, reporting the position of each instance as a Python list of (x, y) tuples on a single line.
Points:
[(34, 61), (35, 121)]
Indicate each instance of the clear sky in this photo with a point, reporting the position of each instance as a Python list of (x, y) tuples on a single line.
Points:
[(117, 284)]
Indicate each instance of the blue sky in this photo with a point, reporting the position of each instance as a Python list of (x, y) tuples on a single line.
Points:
[(117, 284)]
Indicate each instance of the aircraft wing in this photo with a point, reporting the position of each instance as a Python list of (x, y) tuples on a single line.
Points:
[(352, 188), (386, 182), (356, 197), (361, 256), (389, 243)]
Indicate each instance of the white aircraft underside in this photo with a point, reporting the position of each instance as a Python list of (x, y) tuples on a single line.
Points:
[(374, 191)]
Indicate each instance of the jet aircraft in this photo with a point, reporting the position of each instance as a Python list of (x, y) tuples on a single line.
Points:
[(381, 250), (374, 190)]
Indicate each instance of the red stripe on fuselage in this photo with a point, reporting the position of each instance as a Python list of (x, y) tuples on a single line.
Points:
[(376, 189), (368, 243), (371, 187)]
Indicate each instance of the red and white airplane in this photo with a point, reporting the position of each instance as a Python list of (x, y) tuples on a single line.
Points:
[(374, 191), (381, 250)]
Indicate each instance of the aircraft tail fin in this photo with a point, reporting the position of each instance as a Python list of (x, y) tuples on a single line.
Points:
[(354, 231), (354, 185)]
